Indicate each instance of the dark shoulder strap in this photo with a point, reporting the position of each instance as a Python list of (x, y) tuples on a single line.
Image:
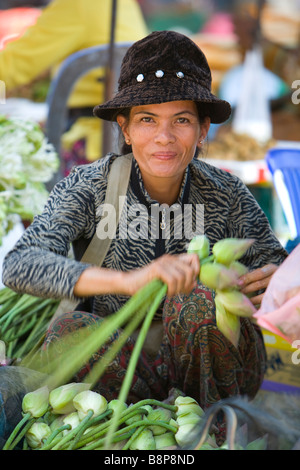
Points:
[(117, 184)]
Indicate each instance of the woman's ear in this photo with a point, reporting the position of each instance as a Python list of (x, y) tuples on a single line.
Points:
[(205, 125), (122, 121)]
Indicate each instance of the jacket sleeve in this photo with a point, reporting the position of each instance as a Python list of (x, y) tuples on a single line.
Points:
[(40, 263), (56, 34)]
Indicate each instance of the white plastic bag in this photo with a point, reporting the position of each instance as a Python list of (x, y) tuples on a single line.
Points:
[(253, 115)]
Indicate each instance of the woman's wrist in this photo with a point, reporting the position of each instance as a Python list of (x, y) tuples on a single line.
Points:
[(97, 281)]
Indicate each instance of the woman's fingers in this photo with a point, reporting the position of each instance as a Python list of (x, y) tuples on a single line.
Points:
[(257, 280), (178, 272)]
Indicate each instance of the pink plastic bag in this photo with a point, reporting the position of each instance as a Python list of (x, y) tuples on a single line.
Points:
[(280, 307)]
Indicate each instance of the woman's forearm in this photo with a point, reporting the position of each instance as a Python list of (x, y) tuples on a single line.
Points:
[(98, 281), (179, 272)]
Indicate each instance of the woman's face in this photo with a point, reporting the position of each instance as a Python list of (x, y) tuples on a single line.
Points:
[(164, 137)]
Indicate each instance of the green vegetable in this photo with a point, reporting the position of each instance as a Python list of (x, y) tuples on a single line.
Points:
[(27, 162), (37, 434), (89, 401), (36, 403), (61, 398), (23, 321)]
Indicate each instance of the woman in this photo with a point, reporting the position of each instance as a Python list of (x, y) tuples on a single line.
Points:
[(163, 107)]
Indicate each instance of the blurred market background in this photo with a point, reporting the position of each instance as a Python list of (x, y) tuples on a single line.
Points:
[(261, 37)]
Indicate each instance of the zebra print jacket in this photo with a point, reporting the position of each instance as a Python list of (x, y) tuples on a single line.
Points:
[(216, 202)]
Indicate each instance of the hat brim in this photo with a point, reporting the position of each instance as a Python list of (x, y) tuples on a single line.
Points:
[(208, 104)]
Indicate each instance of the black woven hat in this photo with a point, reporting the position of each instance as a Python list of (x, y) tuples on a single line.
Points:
[(165, 66)]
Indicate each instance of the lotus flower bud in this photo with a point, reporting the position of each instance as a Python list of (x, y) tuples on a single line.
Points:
[(239, 268), (117, 405), (217, 276), (89, 401), (235, 302), (147, 408), (61, 398), (188, 418), (228, 323), (187, 405), (73, 420), (160, 414), (144, 441), (37, 434), (57, 423), (36, 403), (185, 434), (230, 249), (199, 245), (173, 423), (134, 418), (165, 441)]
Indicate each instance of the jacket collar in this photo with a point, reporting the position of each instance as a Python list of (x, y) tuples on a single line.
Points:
[(145, 198)]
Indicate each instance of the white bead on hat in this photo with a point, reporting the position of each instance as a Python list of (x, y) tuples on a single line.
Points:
[(140, 77), (158, 74)]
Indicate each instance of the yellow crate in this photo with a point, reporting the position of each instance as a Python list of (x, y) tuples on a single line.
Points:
[(283, 365)]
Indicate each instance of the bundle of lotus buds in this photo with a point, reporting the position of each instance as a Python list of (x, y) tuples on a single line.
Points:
[(220, 271), (73, 417)]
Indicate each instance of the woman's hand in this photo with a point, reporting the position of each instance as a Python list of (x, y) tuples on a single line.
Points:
[(179, 272), (255, 281)]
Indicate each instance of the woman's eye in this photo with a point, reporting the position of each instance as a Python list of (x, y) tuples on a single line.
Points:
[(146, 119), (182, 120)]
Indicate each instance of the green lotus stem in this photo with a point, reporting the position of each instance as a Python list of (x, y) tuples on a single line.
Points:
[(25, 301), (80, 433), (136, 433), (54, 434), (7, 294), (10, 347), (131, 411), (16, 431), (22, 433), (25, 445), (100, 430), (7, 306), (73, 433), (62, 368), (21, 331), (135, 357), (208, 259), (116, 439), (24, 314), (20, 352), (53, 441), (119, 432), (22, 320), (36, 332), (108, 357)]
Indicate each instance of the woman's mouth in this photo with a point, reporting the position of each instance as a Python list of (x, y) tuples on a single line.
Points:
[(164, 155)]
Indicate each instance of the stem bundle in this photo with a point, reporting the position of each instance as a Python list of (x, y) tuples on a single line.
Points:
[(23, 321)]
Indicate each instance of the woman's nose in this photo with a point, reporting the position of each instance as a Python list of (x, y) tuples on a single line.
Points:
[(164, 134)]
